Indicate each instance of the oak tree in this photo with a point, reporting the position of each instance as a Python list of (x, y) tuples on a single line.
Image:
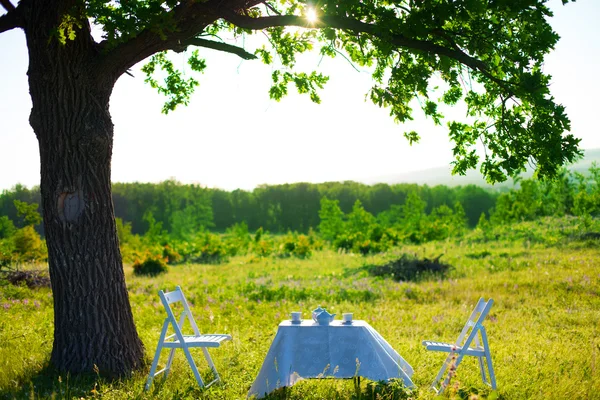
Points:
[(486, 53)]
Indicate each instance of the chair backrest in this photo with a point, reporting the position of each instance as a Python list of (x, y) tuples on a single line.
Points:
[(176, 296), (475, 322)]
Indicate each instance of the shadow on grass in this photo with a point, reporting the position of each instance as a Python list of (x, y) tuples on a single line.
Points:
[(393, 389), (50, 383), (407, 268)]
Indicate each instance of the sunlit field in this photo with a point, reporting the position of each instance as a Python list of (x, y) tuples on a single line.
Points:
[(543, 328)]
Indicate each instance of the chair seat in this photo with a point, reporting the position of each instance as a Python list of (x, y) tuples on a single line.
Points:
[(448, 348), (208, 340)]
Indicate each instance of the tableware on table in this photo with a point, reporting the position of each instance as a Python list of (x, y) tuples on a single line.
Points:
[(296, 317), (347, 318), (316, 312), (323, 317)]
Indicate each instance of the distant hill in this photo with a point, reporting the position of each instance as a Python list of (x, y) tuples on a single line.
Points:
[(443, 175)]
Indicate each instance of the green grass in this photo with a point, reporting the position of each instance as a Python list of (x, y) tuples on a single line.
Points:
[(543, 328)]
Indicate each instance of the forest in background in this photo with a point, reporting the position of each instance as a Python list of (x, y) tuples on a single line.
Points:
[(276, 208), (170, 222)]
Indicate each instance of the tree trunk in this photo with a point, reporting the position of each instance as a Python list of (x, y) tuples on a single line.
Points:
[(93, 323)]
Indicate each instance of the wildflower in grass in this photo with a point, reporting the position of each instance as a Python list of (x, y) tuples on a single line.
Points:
[(26, 302), (322, 374), (6, 306), (36, 304)]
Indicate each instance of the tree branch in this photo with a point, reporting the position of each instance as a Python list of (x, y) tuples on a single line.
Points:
[(189, 17), (354, 25), (228, 48), (11, 20)]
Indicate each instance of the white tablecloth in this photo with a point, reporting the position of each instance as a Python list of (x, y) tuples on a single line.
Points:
[(310, 350)]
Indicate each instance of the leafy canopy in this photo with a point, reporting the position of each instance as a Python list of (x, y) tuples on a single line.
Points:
[(488, 54)]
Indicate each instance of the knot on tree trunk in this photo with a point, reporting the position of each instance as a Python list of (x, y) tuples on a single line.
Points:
[(70, 205)]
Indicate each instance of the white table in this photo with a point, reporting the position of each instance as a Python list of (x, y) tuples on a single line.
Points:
[(310, 350)]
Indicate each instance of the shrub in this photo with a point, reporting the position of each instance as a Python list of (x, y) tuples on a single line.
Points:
[(316, 243), (295, 246), (171, 255), (29, 246), (7, 227), (237, 239), (7, 256), (262, 248), (376, 240), (151, 265), (208, 248)]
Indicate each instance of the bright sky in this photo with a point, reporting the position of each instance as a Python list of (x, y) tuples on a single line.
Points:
[(232, 136)]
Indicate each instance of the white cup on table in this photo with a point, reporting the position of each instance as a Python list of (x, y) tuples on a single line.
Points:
[(347, 317), (296, 316)]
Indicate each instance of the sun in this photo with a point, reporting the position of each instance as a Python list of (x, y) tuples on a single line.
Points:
[(311, 15)]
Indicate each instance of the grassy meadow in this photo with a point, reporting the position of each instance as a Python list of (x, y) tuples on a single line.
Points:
[(544, 328)]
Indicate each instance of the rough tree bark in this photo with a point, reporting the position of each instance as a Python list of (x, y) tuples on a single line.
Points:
[(93, 323)]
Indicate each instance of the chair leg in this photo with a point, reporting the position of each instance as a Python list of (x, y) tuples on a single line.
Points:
[(169, 362), (190, 360), (153, 368), (157, 355), (491, 371), (482, 369), (488, 358), (211, 364)]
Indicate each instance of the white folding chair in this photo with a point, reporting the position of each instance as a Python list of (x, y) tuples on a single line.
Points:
[(179, 340), (462, 347)]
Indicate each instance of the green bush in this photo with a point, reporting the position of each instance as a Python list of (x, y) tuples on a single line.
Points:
[(130, 244), (237, 239), (376, 240), (294, 245), (262, 247), (7, 256), (207, 248), (7, 227), (171, 255), (28, 245), (151, 266)]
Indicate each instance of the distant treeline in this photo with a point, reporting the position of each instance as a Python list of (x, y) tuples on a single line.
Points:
[(275, 208)]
